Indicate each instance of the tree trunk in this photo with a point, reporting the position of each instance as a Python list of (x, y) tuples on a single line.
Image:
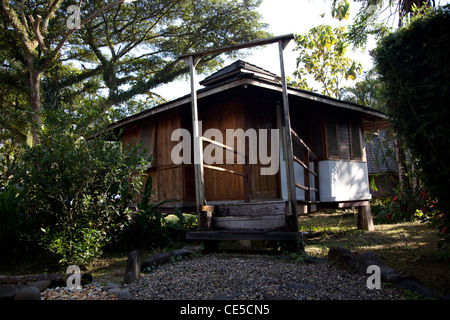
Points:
[(401, 164), (35, 100)]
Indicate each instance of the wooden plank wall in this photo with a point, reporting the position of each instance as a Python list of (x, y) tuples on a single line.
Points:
[(170, 176), (261, 114), (132, 135), (223, 114)]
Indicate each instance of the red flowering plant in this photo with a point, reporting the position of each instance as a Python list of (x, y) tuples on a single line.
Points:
[(404, 205)]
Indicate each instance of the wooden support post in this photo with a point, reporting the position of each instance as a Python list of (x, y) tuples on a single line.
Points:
[(287, 145), (198, 145), (365, 221), (205, 218)]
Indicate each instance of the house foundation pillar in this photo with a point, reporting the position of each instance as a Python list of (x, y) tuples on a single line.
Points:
[(365, 221)]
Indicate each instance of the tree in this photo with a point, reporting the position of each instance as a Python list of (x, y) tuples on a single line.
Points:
[(322, 54), (368, 21), (415, 72), (367, 92), (128, 48)]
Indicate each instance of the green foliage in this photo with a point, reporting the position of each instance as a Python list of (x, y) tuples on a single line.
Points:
[(367, 92), (405, 206), (113, 60), (150, 228), (322, 55), (13, 224), (75, 245), (74, 193), (367, 22), (415, 72), (340, 10)]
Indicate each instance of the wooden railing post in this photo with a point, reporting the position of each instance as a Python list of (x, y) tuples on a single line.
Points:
[(306, 174), (287, 145), (198, 150), (308, 156)]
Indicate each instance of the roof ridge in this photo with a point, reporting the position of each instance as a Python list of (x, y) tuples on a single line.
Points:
[(238, 67)]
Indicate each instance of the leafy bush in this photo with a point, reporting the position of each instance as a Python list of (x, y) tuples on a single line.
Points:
[(76, 192), (13, 223), (415, 72), (75, 245), (405, 205), (149, 227)]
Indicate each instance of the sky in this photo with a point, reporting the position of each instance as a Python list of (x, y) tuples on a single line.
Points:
[(283, 17)]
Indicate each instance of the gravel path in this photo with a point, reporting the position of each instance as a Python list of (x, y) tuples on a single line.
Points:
[(215, 277)]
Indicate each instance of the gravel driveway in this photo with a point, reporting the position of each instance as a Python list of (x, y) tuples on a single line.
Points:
[(256, 277)]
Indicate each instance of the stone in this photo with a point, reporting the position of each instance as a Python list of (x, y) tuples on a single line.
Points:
[(367, 259), (182, 253), (28, 293), (42, 285), (8, 291), (342, 257), (413, 285), (193, 247), (124, 294), (114, 290), (156, 260), (133, 269), (110, 285)]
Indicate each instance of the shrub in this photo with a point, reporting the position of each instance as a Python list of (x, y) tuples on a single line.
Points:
[(415, 72), (13, 223), (405, 205), (76, 192), (149, 227)]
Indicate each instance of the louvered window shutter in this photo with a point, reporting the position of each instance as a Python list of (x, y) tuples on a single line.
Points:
[(356, 141), (332, 138), (344, 140), (146, 138)]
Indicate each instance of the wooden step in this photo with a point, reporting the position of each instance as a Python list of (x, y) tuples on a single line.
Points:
[(243, 235), (250, 216)]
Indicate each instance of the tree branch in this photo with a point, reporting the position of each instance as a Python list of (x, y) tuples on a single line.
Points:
[(27, 44), (37, 32), (54, 5), (83, 22), (22, 14)]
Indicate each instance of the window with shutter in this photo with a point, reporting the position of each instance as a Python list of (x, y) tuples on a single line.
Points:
[(344, 139), (146, 137), (356, 141), (332, 138)]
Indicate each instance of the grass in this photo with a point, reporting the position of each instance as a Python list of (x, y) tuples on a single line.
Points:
[(409, 248)]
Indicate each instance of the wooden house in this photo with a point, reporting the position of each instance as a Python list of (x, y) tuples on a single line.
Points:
[(381, 163), (239, 202)]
